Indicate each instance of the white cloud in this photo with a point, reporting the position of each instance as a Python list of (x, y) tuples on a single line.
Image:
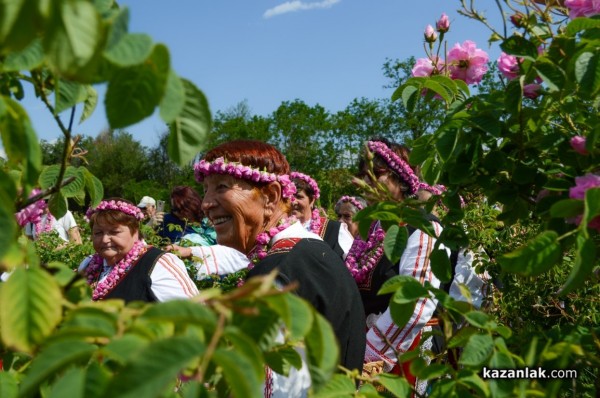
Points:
[(297, 5)]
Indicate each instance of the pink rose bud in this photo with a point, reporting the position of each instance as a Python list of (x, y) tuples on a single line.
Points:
[(443, 24), (517, 19), (532, 91), (578, 144), (430, 35)]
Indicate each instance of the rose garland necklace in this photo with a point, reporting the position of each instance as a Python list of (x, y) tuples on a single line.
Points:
[(364, 256), (44, 225), (315, 222), (259, 251), (118, 271)]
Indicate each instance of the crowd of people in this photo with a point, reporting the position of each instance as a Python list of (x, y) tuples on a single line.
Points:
[(258, 215)]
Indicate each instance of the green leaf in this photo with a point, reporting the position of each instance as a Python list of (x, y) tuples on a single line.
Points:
[(536, 257), (96, 380), (190, 128), (395, 384), (440, 265), (76, 186), (238, 373), (94, 188), (178, 311), (18, 24), (72, 40), (294, 311), (552, 75), (124, 349), (587, 73), (475, 383), (246, 347), (438, 89), (19, 140), (401, 312), (88, 322), (48, 176), (7, 211), (132, 49), (478, 319), (30, 308), (89, 104), (322, 352), (514, 95), (57, 205), (578, 24), (567, 208), (53, 359), (446, 142), (8, 385), (592, 207), (174, 100), (71, 384), (68, 94), (585, 261), (282, 359), (339, 386), (119, 26), (477, 351), (520, 47), (394, 242), (155, 367), (133, 93), (29, 58)]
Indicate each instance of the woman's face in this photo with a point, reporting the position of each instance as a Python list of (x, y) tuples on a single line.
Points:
[(112, 242), (236, 210), (345, 214), (302, 206)]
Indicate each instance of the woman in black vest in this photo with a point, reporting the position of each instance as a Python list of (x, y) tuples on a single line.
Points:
[(304, 208), (124, 267)]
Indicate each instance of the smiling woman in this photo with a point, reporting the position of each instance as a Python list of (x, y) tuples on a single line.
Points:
[(247, 196), (124, 267)]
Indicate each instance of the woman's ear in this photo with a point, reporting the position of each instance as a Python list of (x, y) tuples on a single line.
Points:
[(272, 196)]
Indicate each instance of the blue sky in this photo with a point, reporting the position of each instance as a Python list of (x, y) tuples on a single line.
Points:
[(325, 52)]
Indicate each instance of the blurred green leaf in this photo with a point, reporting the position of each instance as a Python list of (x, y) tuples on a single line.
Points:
[(577, 25), (68, 94), (181, 311), (132, 49), (174, 100), (323, 353), (29, 58), (477, 351), (8, 385), (394, 242), (238, 372), (587, 73), (57, 205), (71, 384), (294, 311), (282, 359), (395, 384), (520, 47), (93, 187), (339, 386), (30, 308), (567, 208), (440, 265), (534, 258), (585, 261), (89, 103)]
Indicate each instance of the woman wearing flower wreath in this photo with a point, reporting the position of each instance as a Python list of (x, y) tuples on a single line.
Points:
[(124, 267), (371, 268), (345, 209), (304, 208), (247, 196)]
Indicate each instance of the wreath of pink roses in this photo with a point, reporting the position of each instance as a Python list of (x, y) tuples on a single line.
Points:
[(118, 205), (396, 164), (309, 180), (352, 200)]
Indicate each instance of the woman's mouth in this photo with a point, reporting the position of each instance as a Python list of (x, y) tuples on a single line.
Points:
[(220, 220)]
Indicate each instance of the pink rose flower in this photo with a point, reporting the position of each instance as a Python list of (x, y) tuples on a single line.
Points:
[(443, 24), (430, 35), (467, 63), (425, 67), (32, 213), (508, 66), (582, 184), (532, 91), (578, 144), (582, 8)]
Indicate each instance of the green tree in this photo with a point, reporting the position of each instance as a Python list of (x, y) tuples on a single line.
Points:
[(238, 123)]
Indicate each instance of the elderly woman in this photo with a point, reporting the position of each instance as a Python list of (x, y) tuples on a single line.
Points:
[(124, 267), (371, 268), (304, 208), (247, 196), (345, 209)]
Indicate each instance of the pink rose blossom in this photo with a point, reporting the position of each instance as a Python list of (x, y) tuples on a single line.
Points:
[(532, 91), (508, 66), (443, 24), (467, 63), (578, 144), (582, 184), (425, 67), (582, 8), (430, 35), (32, 213)]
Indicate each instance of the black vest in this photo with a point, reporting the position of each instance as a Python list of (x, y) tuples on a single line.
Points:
[(330, 232), (137, 285)]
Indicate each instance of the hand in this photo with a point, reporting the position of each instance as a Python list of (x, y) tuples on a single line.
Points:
[(183, 252), (158, 217)]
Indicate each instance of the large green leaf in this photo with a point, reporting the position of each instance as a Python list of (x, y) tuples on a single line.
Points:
[(132, 49), (398, 386), (53, 359), (133, 93), (585, 261), (339, 386), (401, 312), (19, 140), (68, 94), (323, 351), (438, 89), (578, 24), (552, 75), (282, 359), (513, 97), (155, 367), (440, 265), (295, 312), (567, 208), (394, 242), (89, 103), (30, 308), (71, 384), (29, 58), (8, 385), (73, 36), (519, 46), (18, 24), (174, 99), (248, 348), (238, 373), (587, 73), (58, 205), (87, 322), (124, 349), (181, 311), (191, 127), (534, 258), (94, 188), (592, 207), (7, 210), (478, 350)]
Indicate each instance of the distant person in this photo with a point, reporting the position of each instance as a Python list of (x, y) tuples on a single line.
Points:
[(66, 227), (152, 217), (345, 209)]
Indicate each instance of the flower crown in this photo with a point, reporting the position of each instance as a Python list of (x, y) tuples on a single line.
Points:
[(117, 205), (437, 189), (396, 164), (352, 200), (309, 180), (220, 166)]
